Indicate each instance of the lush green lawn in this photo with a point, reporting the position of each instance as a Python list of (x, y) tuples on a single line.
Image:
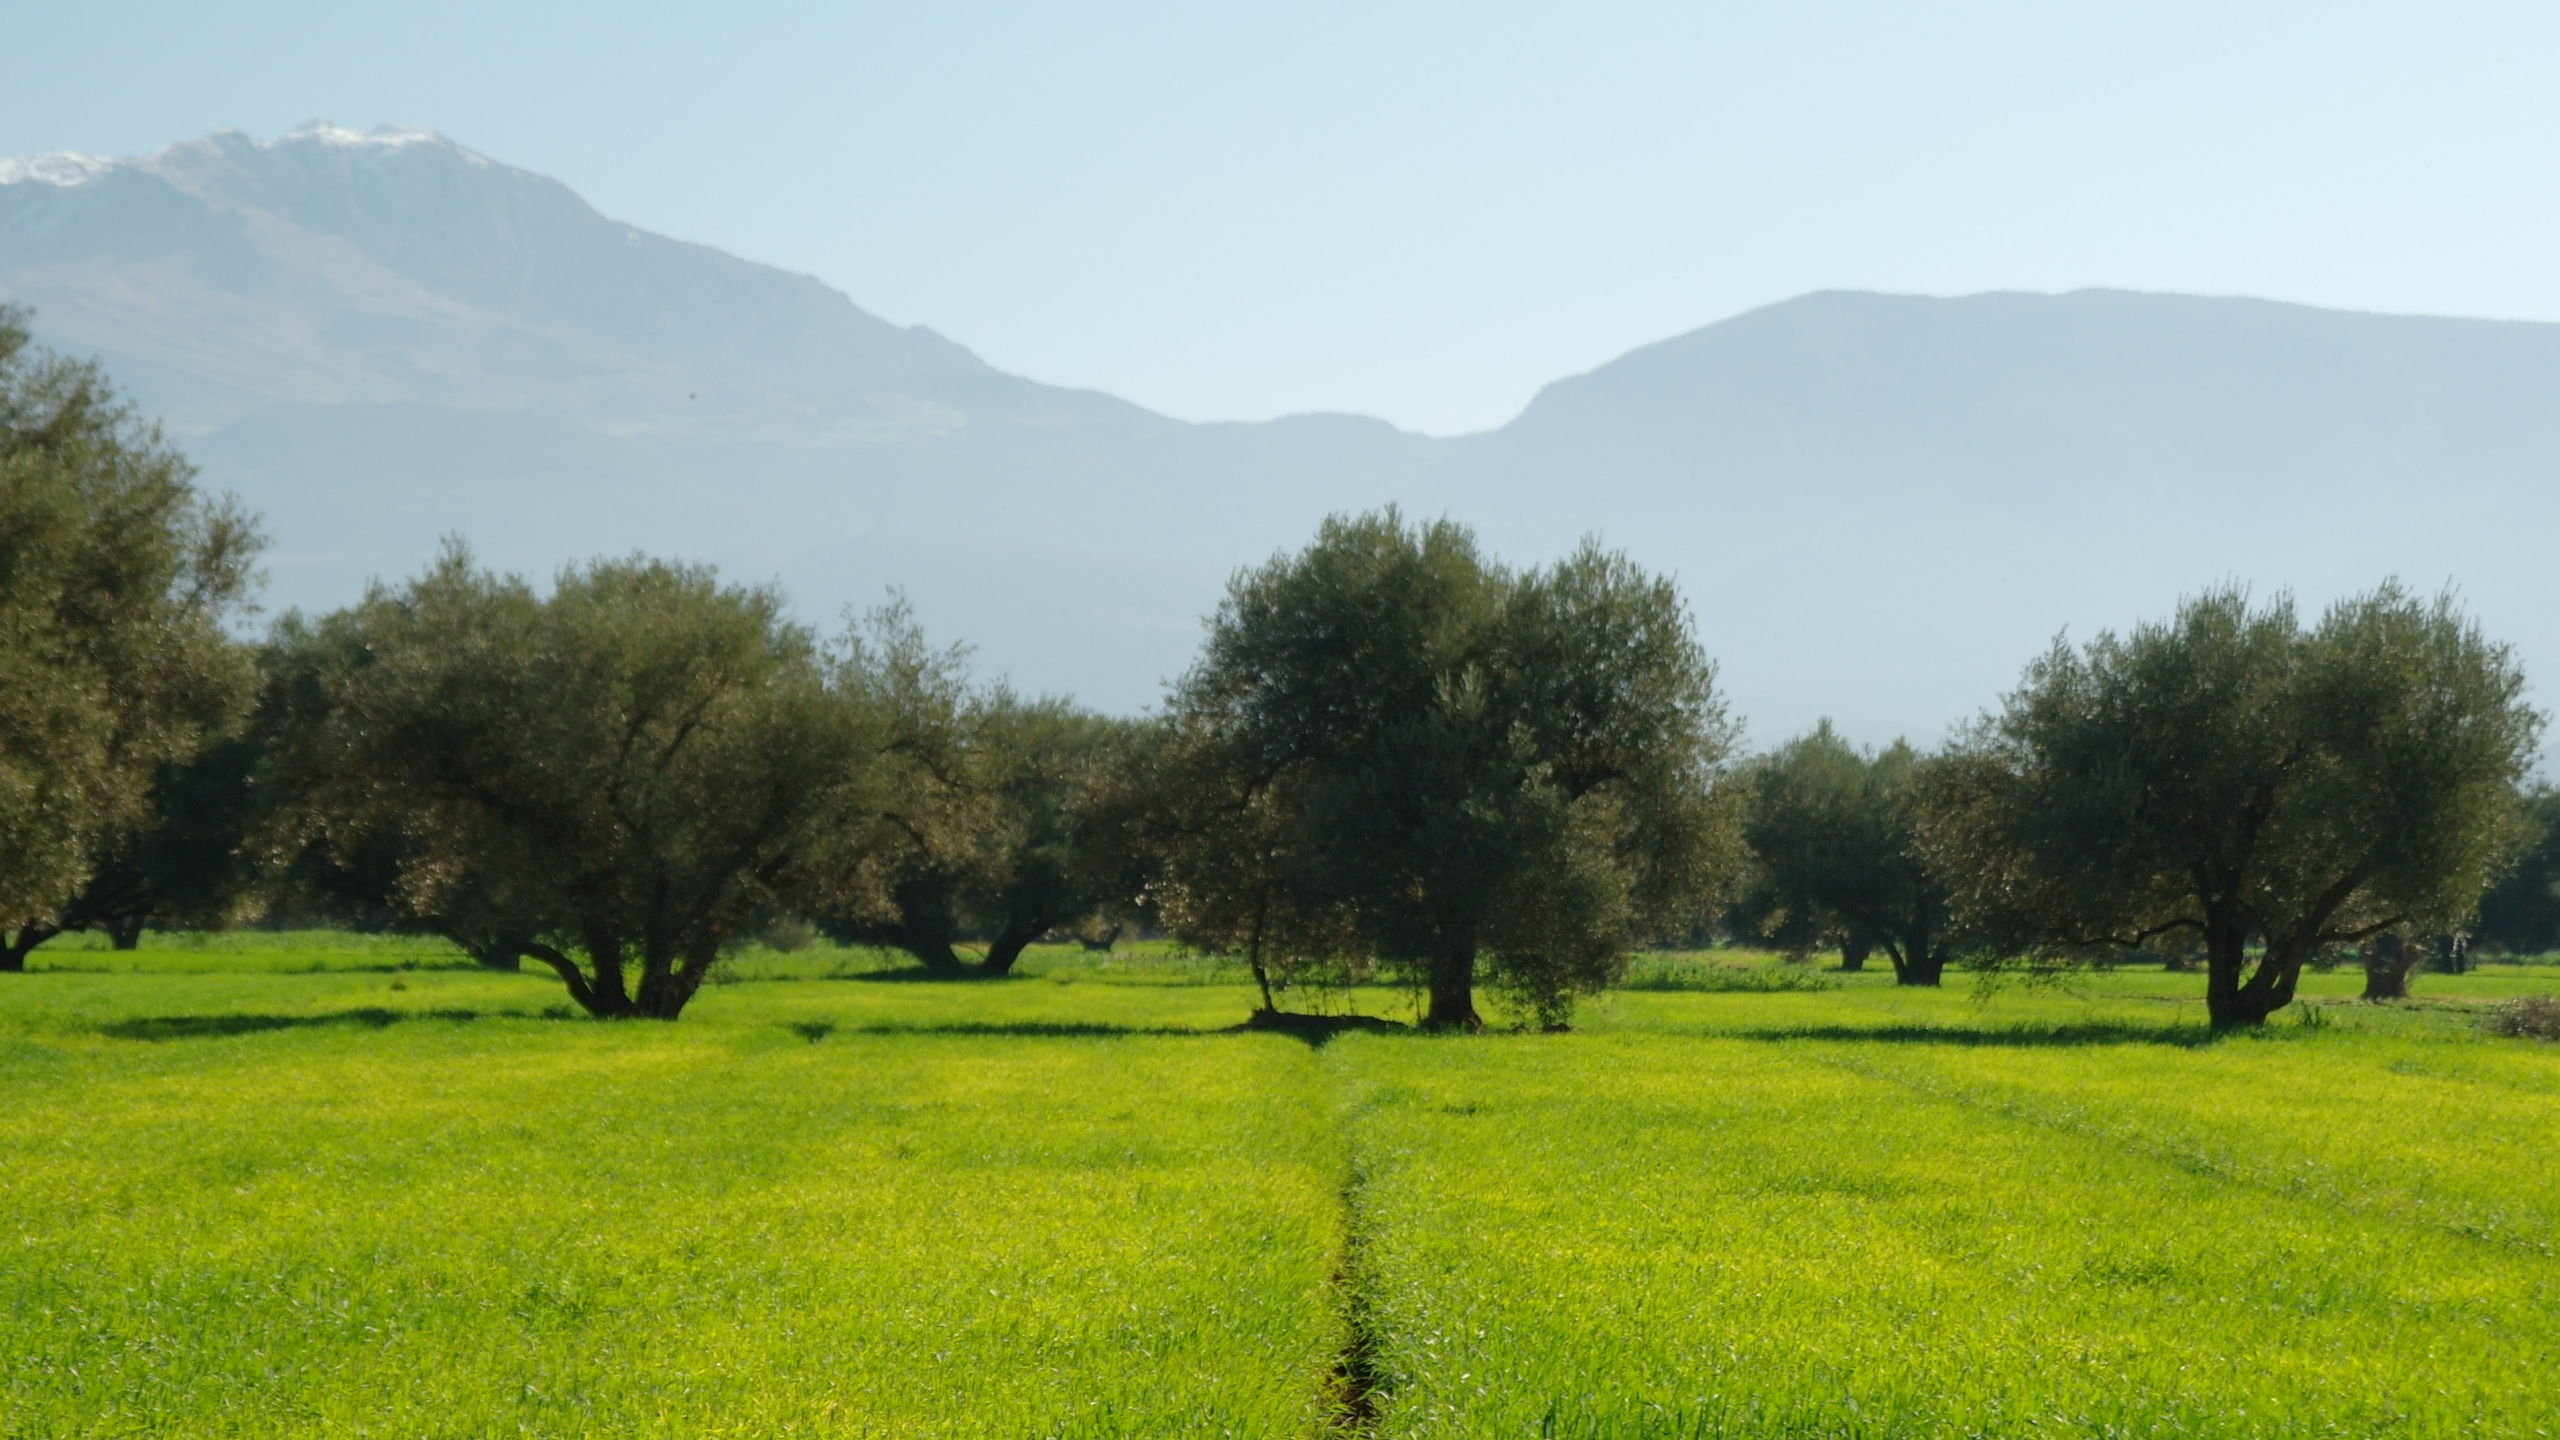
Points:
[(344, 1187)]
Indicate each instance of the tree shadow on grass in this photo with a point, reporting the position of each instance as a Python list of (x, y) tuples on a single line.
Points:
[(2029, 1037), (203, 1027), (1317, 1030), (1048, 1029)]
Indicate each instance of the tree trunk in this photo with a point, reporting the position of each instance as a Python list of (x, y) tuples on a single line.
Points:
[(1102, 943), (1253, 954), (13, 953), (930, 942), (124, 932), (1007, 946), (591, 998), (1853, 955), (2388, 963), (1453, 993), (668, 982), (1914, 964), (2238, 995)]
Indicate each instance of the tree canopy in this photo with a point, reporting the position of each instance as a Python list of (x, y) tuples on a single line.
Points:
[(1834, 834), (117, 579), (2270, 787), (2521, 914), (1417, 758), (620, 779), (1003, 862)]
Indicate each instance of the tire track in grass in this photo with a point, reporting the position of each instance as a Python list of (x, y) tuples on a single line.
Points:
[(1355, 1382)]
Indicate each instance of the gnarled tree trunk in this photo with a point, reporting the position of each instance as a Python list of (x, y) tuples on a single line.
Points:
[(1854, 953), (2238, 994), (928, 938), (13, 953), (2389, 961), (1916, 961), (1007, 946), (1453, 993)]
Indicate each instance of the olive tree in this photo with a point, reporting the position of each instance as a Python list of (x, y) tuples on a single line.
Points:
[(2269, 787), (2521, 914), (618, 780), (1456, 771), (1044, 759), (117, 580), (187, 862), (1176, 826), (1834, 836), (1000, 864)]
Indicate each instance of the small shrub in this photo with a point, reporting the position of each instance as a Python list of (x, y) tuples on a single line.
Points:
[(2535, 1017), (1696, 976)]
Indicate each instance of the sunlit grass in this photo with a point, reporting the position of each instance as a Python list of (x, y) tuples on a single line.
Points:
[(858, 1209), (1879, 1213), (338, 1188)]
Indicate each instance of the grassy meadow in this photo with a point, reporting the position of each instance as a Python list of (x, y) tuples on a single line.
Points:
[(327, 1185)]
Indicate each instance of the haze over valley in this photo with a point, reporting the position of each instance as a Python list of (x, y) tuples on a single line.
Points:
[(1879, 506)]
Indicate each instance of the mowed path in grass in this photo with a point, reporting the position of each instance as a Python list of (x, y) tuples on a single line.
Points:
[(258, 1203)]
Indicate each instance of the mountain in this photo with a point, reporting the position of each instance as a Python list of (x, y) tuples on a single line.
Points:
[(378, 338), (1890, 502), (1879, 505)]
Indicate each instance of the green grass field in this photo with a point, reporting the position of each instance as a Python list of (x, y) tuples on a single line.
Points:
[(315, 1185)]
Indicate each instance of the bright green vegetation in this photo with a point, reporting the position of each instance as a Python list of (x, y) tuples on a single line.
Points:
[(370, 1189), (319, 1204), (1887, 1214)]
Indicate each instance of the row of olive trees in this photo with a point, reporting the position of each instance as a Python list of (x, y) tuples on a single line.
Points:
[(2233, 779), (116, 580), (618, 780), (1394, 757)]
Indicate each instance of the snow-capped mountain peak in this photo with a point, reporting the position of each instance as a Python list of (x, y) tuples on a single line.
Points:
[(66, 169)]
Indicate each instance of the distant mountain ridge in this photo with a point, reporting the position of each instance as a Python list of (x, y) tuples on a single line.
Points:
[(1880, 505)]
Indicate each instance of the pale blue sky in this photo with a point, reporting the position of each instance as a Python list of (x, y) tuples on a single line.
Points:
[(1421, 211)]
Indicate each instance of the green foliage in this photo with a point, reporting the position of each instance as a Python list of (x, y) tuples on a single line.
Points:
[(116, 579), (2271, 788), (627, 776), (1005, 861), (1834, 834), (2521, 914), (1393, 751)]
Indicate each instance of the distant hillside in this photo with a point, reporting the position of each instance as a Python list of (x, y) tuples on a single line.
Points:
[(1880, 505), (1892, 502)]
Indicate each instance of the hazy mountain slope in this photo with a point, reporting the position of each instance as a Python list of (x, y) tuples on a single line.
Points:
[(1881, 506), (381, 338), (1890, 502), (331, 266)]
